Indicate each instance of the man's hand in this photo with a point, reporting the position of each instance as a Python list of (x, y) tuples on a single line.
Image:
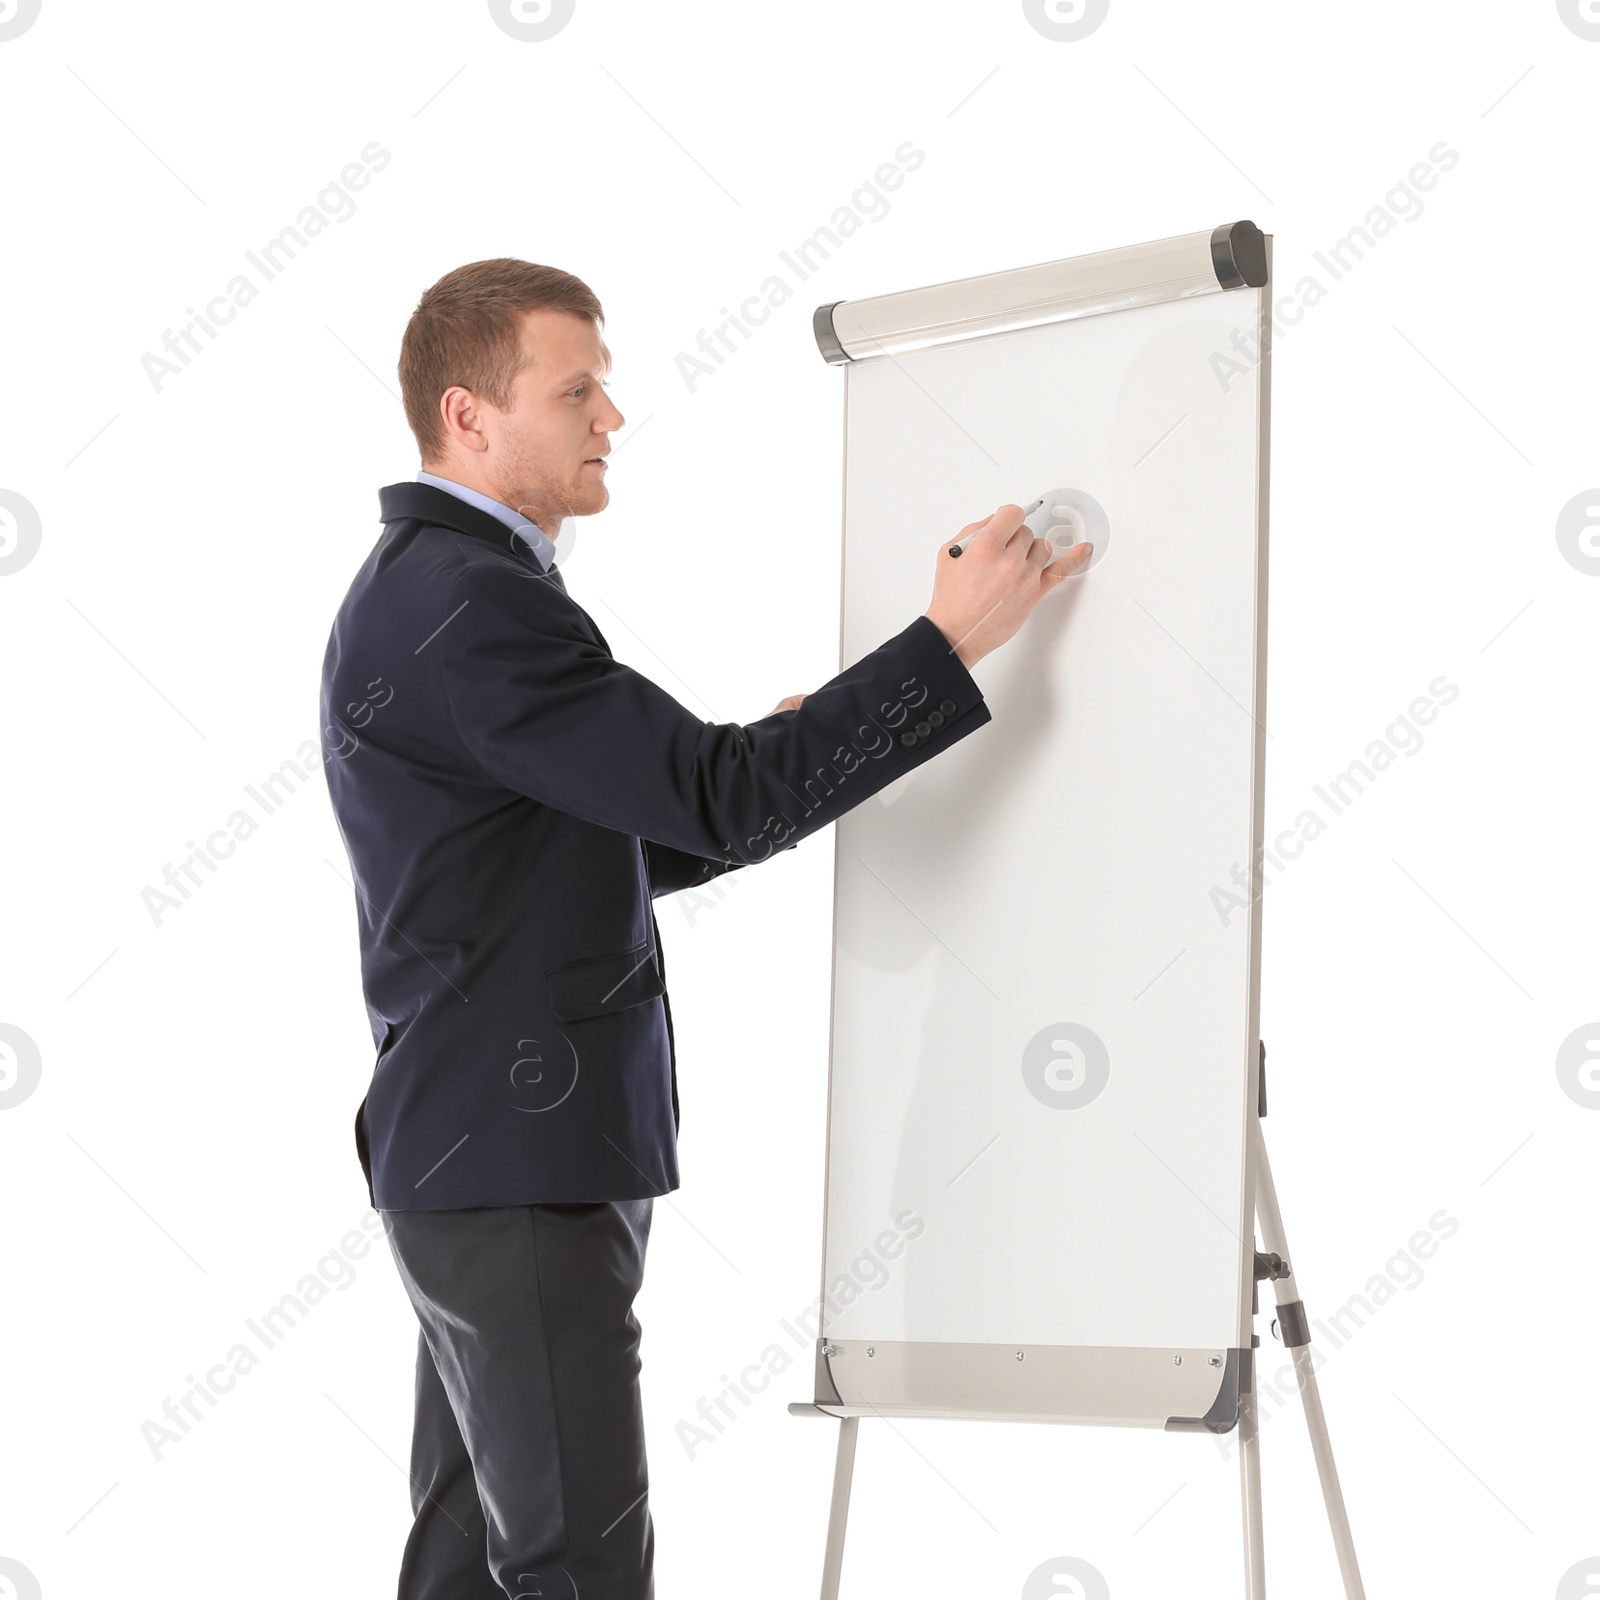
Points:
[(790, 704), (984, 595)]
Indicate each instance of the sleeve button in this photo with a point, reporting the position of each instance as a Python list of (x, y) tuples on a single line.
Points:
[(949, 708), (924, 729), (908, 737), (936, 718)]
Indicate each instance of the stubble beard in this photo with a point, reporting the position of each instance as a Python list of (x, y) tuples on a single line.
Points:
[(541, 498)]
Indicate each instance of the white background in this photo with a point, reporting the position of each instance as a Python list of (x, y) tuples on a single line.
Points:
[(186, 1158)]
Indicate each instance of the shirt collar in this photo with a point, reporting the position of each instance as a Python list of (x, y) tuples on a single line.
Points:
[(532, 534)]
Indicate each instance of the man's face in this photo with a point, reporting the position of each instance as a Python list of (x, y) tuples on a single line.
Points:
[(545, 452)]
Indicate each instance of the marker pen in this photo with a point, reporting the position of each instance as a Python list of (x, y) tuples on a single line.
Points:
[(961, 544)]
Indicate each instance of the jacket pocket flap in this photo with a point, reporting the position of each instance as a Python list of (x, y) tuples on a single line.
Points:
[(599, 984)]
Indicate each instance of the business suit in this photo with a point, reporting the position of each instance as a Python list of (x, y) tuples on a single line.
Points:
[(512, 799)]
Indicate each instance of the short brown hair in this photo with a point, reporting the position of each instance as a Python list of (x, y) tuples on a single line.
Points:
[(466, 330)]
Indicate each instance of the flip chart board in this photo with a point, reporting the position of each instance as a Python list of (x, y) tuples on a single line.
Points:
[(1045, 979)]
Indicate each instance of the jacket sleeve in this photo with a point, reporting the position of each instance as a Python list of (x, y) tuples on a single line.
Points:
[(546, 711), (672, 870)]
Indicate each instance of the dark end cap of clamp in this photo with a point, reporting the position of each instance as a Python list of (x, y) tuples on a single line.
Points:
[(1239, 254), (1224, 1413)]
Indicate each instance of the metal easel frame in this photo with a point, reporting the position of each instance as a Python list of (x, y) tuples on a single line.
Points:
[(1294, 1329)]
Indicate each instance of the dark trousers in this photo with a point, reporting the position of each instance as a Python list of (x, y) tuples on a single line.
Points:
[(528, 1475)]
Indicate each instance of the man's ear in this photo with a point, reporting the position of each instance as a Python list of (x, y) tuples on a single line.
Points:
[(458, 411)]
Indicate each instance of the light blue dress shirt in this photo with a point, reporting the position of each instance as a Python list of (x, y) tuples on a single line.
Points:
[(531, 532)]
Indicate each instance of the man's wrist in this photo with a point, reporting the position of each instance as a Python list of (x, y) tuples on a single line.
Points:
[(965, 652)]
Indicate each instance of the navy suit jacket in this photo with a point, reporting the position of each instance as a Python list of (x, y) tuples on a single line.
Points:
[(512, 799)]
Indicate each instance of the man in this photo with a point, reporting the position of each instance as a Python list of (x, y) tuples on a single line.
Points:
[(512, 798)]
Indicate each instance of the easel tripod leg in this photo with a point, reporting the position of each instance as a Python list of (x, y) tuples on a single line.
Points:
[(843, 1467), (1322, 1449), (1255, 1560), (1294, 1326)]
